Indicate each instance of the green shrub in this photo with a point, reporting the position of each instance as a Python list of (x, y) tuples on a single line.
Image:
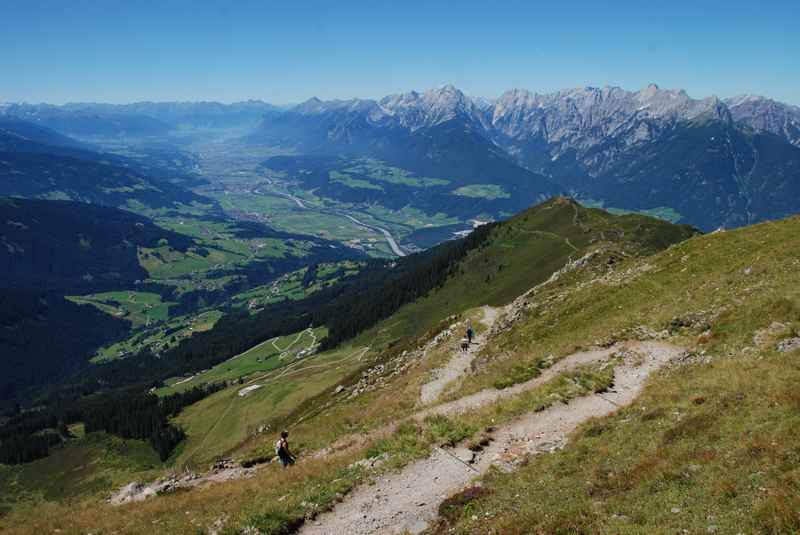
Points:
[(404, 444), (275, 523), (519, 374), (443, 430)]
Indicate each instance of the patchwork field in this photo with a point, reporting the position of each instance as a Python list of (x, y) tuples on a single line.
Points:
[(140, 308)]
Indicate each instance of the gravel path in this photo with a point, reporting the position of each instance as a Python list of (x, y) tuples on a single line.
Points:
[(490, 395), (408, 500), (459, 364)]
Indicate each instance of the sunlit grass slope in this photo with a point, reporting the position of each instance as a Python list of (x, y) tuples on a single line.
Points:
[(526, 249), (712, 445)]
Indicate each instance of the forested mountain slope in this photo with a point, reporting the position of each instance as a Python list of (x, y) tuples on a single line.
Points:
[(73, 247), (112, 258), (22, 136), (37, 162), (51, 249)]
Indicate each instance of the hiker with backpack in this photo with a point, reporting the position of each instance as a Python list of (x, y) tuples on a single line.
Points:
[(282, 450), (470, 332)]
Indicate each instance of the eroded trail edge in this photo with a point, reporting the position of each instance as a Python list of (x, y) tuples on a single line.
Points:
[(408, 500)]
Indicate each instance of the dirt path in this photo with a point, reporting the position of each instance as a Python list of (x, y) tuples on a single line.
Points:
[(490, 395), (407, 501), (459, 364)]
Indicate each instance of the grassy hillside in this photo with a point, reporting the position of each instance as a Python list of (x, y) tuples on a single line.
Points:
[(517, 255), (712, 443), (527, 249), (521, 252), (85, 466)]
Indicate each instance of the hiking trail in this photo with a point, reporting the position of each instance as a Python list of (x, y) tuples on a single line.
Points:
[(408, 500), (459, 364)]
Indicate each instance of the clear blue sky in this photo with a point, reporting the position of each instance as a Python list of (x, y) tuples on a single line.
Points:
[(281, 52)]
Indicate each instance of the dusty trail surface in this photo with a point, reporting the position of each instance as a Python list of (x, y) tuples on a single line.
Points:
[(459, 364), (490, 395), (407, 501)]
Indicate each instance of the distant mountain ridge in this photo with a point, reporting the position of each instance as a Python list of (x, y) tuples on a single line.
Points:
[(19, 135), (139, 119), (37, 162), (519, 112), (87, 122), (594, 143)]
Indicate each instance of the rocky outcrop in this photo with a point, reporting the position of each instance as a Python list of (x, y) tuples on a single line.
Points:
[(789, 344), (221, 470)]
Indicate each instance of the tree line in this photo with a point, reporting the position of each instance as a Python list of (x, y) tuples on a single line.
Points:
[(128, 413)]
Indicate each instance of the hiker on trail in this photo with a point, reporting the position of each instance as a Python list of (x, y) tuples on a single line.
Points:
[(470, 332), (464, 344), (282, 449)]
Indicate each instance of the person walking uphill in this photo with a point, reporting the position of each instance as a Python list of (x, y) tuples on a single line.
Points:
[(470, 332), (282, 449)]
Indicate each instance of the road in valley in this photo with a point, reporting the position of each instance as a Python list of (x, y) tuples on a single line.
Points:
[(389, 238), (393, 245)]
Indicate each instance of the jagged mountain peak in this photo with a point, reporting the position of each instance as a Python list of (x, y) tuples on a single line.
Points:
[(748, 98), (760, 103), (649, 91), (766, 115), (576, 119), (415, 110), (312, 105)]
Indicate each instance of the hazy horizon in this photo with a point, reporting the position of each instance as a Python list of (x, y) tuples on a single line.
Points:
[(375, 97), (58, 52)]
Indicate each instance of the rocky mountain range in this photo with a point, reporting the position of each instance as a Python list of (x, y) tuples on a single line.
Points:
[(717, 162)]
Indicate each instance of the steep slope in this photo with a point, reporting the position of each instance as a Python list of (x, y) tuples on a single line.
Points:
[(756, 176), (766, 115), (572, 124), (659, 148), (707, 446), (526, 250)]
